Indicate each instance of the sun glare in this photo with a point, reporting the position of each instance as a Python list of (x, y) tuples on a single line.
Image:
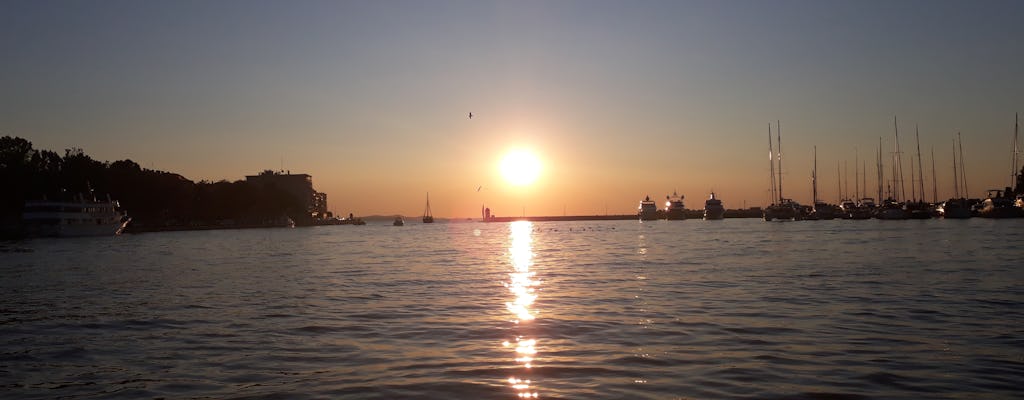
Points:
[(520, 167)]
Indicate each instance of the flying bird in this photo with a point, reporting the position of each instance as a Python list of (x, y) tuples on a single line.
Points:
[(470, 115)]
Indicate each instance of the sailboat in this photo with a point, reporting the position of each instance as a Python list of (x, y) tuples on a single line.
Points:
[(428, 218), (781, 209)]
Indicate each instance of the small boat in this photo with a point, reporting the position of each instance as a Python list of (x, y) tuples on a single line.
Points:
[(398, 221), (74, 218), (713, 208), (428, 218), (674, 208), (648, 210)]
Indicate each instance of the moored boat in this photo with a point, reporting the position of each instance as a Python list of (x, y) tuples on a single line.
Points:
[(713, 208), (674, 208), (74, 218), (648, 210), (428, 218)]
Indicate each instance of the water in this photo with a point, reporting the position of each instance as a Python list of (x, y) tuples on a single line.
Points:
[(682, 309)]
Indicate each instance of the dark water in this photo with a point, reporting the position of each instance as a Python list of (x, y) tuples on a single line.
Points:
[(682, 309)]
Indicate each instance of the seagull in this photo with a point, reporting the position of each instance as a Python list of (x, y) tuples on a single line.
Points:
[(470, 115)]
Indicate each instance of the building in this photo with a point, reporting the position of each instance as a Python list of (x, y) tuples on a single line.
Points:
[(300, 187)]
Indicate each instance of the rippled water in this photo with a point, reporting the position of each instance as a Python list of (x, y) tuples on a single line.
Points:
[(619, 309)]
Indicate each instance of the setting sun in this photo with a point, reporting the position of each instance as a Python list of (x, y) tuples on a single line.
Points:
[(520, 167)]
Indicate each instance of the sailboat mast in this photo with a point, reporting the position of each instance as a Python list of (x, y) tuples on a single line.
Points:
[(814, 178), (846, 179), (920, 170), (839, 179), (856, 177), (897, 166), (771, 163), (913, 186), (879, 171), (956, 175), (1016, 152), (935, 182), (778, 133), (963, 168)]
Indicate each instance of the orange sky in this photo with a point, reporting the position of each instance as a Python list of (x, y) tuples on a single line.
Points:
[(618, 100)]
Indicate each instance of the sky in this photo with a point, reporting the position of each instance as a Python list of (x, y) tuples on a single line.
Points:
[(619, 100)]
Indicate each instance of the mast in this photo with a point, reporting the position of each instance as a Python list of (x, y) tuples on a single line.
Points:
[(846, 178), (864, 177), (856, 177), (1016, 151), (920, 170), (913, 194), (814, 178), (771, 162), (963, 168), (956, 175), (778, 133), (899, 191), (839, 179), (935, 182), (880, 172)]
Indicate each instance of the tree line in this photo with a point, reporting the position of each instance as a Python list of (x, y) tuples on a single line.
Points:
[(153, 199)]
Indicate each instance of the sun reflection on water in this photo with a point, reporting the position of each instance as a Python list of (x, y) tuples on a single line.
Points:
[(522, 286)]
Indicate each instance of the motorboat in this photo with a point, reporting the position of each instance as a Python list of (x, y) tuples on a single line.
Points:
[(954, 209), (398, 221)]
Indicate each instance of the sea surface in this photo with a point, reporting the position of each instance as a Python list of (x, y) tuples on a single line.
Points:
[(733, 309)]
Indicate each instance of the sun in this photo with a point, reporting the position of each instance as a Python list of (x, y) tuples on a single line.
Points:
[(520, 167)]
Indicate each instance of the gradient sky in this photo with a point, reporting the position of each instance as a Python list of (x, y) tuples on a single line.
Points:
[(619, 99)]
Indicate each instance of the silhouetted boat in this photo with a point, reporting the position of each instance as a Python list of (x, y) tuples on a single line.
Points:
[(998, 206), (674, 208), (713, 208), (781, 208), (428, 218), (954, 209), (648, 210), (74, 218), (398, 221), (891, 209)]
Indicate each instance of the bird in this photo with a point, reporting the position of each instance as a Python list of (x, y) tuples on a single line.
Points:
[(470, 115)]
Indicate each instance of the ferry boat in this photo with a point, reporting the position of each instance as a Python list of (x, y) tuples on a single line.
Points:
[(674, 208), (73, 218), (648, 210), (713, 208)]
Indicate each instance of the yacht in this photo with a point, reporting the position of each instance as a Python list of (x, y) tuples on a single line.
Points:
[(713, 208), (648, 210), (864, 209), (674, 208), (74, 218)]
